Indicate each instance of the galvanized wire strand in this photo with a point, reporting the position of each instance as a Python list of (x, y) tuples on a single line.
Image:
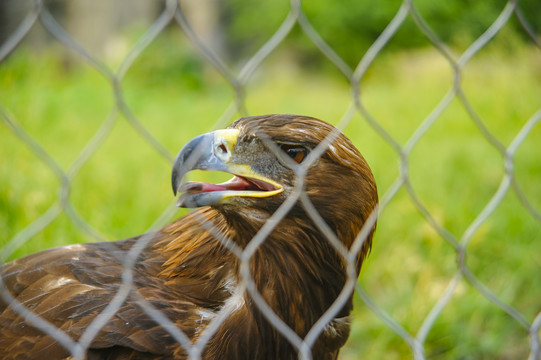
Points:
[(351, 272), (22, 30), (389, 321), (535, 353), (264, 51), (524, 201), (440, 229), (489, 295), (197, 349), (436, 310), (127, 286), (205, 50), (238, 103), (364, 64), (152, 33), (465, 240), (486, 212), (363, 295), (318, 41), (93, 144), (60, 34), (173, 13), (431, 119), (438, 44), (78, 349), (80, 222), (163, 20), (132, 119), (86, 153), (276, 39), (493, 29), (525, 25), (403, 179), (64, 191), (63, 36), (412, 141), (477, 45), (34, 146), (513, 147), (41, 324), (331, 312), (226, 116), (448, 98), (30, 231), (217, 63), (27, 233), (349, 285), (507, 181), (55, 210), (177, 334), (251, 286), (481, 42), (211, 328), (64, 178)]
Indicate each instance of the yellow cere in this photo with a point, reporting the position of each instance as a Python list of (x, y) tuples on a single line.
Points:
[(226, 137)]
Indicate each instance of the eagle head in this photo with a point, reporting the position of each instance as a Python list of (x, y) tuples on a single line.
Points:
[(270, 157)]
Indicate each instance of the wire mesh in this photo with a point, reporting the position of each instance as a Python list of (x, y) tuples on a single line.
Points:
[(173, 15)]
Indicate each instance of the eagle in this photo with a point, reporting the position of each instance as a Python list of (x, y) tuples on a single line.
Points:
[(196, 269)]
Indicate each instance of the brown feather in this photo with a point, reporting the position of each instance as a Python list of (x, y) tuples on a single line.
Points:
[(190, 275)]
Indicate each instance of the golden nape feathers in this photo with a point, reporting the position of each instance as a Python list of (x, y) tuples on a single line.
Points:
[(188, 271)]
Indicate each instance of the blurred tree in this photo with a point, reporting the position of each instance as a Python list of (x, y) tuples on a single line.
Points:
[(351, 26), (93, 22), (237, 28)]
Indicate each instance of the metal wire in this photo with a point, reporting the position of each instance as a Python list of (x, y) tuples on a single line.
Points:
[(173, 15)]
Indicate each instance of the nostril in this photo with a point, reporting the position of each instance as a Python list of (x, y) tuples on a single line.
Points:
[(222, 149)]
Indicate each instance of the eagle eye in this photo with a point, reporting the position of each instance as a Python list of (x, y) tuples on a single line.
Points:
[(296, 152)]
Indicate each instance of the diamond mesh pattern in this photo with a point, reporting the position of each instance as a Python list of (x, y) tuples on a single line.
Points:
[(172, 15)]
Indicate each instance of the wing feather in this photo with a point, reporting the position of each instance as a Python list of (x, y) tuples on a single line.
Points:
[(69, 287)]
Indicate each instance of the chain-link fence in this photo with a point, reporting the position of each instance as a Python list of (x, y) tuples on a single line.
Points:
[(377, 321)]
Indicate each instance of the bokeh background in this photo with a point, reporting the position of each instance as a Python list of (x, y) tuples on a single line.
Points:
[(443, 98)]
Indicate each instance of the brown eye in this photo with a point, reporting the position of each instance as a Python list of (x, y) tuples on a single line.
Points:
[(296, 152)]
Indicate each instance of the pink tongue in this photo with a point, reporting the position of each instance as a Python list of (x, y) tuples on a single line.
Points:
[(198, 187), (236, 183), (211, 187)]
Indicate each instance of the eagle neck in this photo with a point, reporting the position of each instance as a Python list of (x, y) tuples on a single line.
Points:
[(298, 274)]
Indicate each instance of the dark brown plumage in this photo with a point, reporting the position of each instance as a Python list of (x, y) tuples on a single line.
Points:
[(189, 275)]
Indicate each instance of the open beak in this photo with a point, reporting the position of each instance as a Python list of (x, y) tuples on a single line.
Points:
[(214, 151)]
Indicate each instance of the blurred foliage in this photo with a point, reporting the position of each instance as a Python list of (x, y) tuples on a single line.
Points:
[(170, 59), (351, 26)]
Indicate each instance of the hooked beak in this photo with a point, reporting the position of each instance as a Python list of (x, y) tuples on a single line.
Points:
[(215, 151)]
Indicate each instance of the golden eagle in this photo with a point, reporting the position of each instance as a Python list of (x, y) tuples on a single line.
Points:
[(190, 271)]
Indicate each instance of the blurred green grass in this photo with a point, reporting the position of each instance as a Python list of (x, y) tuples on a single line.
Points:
[(125, 185)]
